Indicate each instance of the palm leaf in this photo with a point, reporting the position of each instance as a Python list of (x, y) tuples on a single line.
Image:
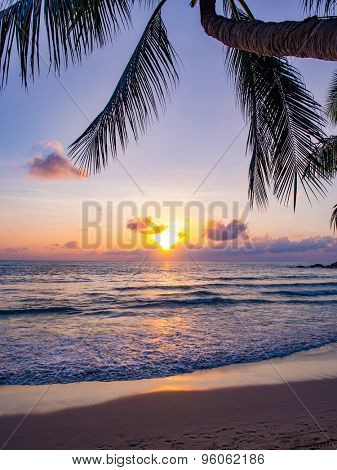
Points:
[(316, 6), (74, 28), (242, 70), (324, 159), (227, 8), (230, 9), (331, 104), (333, 220), (299, 129), (144, 86), (284, 125)]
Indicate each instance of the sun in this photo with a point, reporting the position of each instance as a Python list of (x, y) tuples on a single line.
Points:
[(167, 239)]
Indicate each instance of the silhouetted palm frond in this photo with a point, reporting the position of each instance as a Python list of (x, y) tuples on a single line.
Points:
[(331, 103), (324, 159), (241, 68), (285, 124), (333, 220), (228, 7), (145, 84), (74, 28), (327, 7)]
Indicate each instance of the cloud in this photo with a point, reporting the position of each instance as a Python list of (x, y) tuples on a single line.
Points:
[(218, 231), (265, 248), (284, 245), (145, 225), (50, 163), (72, 245), (53, 246)]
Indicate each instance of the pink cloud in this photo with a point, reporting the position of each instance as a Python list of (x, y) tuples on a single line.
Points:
[(72, 245), (50, 163)]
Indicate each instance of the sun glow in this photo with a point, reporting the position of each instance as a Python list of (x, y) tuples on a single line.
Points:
[(168, 238)]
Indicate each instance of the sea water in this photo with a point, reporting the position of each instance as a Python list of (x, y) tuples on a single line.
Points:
[(66, 322)]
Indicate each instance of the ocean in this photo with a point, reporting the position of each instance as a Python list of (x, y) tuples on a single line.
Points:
[(66, 322)]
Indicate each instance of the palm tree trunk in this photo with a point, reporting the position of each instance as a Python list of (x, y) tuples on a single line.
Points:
[(312, 38)]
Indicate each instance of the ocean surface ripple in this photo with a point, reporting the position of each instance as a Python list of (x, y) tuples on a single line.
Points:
[(82, 321)]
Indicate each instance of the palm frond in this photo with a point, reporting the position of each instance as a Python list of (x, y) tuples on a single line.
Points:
[(226, 8), (298, 129), (324, 159), (145, 85), (74, 28), (241, 67), (285, 124), (229, 8), (333, 220), (327, 7), (331, 104)]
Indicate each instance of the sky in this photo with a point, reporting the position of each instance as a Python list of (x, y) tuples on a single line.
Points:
[(195, 153)]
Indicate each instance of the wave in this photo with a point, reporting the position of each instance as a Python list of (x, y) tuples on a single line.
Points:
[(129, 324), (203, 298), (148, 370), (277, 277), (303, 284), (39, 280), (218, 300), (112, 314), (303, 293), (154, 287), (188, 287), (41, 311)]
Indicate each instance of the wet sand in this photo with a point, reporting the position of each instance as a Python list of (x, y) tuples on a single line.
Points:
[(260, 417), (243, 407)]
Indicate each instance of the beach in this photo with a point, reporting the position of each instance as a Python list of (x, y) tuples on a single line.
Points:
[(284, 403)]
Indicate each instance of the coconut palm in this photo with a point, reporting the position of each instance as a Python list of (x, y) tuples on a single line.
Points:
[(323, 162), (287, 144)]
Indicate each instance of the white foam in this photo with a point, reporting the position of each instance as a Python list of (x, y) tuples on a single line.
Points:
[(315, 364)]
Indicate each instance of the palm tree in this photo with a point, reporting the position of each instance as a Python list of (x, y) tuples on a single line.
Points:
[(287, 143), (324, 159)]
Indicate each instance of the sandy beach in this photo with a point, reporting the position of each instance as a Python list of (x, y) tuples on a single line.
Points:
[(287, 403)]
